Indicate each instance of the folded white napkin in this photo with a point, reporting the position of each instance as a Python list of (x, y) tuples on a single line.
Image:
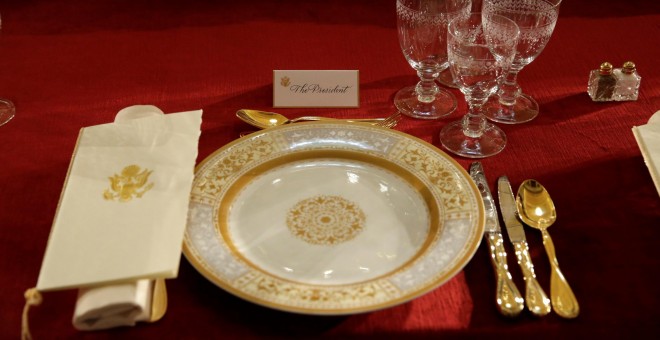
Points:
[(119, 225), (125, 304), (648, 139), (113, 305)]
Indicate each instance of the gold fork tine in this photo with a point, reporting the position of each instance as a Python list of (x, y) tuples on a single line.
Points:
[(396, 120), (393, 123), (390, 121)]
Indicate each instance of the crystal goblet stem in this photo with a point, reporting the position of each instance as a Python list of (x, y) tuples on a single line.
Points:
[(473, 136), (480, 49)]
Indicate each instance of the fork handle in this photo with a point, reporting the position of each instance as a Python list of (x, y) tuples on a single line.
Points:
[(316, 118)]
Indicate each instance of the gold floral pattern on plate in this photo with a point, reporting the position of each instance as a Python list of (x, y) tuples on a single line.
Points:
[(325, 220), (407, 210)]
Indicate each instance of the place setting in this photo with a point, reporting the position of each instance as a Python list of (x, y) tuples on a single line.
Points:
[(304, 169), (313, 214)]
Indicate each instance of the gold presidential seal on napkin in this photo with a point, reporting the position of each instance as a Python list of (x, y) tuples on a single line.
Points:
[(130, 183)]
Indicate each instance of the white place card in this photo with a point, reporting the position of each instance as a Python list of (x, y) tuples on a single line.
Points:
[(316, 88)]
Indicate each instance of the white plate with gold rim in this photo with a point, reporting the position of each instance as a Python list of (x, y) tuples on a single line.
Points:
[(331, 218)]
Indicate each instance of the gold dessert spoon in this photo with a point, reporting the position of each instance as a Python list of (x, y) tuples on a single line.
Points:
[(264, 119), (158, 300), (536, 209)]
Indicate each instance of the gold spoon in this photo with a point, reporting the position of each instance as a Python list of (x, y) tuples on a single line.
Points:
[(536, 209), (264, 119), (158, 300)]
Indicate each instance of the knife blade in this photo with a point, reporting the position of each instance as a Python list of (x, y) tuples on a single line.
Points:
[(508, 299), (537, 301)]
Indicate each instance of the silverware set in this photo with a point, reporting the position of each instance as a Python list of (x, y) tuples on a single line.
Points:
[(533, 206)]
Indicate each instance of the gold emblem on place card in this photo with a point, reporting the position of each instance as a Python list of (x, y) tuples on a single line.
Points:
[(130, 183), (285, 81), (325, 220)]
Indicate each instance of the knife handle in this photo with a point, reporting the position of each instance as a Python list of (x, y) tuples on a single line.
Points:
[(509, 301), (562, 296), (537, 301)]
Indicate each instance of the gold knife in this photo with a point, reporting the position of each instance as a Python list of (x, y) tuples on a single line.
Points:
[(537, 301), (509, 301)]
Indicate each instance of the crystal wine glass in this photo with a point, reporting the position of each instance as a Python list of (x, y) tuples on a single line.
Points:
[(536, 20), (7, 109), (480, 49), (422, 26)]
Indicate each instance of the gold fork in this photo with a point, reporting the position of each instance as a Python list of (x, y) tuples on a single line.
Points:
[(387, 122)]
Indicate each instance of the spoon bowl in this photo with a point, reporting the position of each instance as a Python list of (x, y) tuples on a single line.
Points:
[(536, 209), (158, 301), (262, 119)]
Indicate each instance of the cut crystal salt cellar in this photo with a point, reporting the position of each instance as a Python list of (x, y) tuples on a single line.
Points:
[(627, 82)]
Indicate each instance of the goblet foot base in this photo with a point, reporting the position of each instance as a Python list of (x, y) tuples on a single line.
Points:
[(490, 143), (524, 110), (446, 79), (7, 111), (407, 103)]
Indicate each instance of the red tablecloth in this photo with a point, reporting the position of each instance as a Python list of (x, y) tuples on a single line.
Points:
[(69, 64)]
